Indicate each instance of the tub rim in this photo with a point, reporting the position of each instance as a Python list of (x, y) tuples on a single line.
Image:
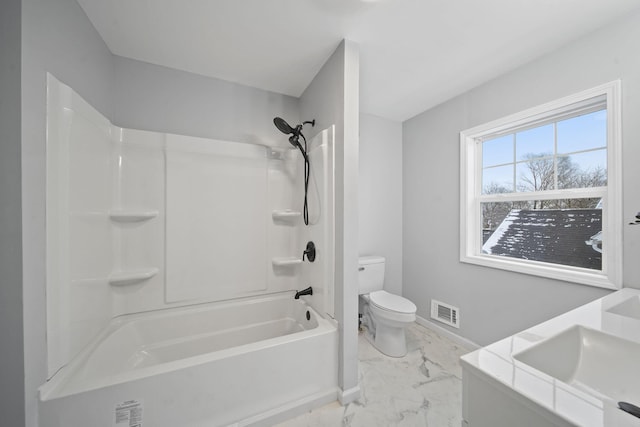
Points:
[(54, 387)]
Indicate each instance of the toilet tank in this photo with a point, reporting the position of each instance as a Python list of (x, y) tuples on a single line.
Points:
[(370, 274)]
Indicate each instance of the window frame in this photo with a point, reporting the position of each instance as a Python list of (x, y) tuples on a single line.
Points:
[(610, 277)]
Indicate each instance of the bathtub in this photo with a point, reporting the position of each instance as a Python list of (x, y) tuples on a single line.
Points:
[(242, 362)]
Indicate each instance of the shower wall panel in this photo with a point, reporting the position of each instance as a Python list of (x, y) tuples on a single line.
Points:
[(216, 219), (80, 252), (320, 273), (140, 236), (140, 221)]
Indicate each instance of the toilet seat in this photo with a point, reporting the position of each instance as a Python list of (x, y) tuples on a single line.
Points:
[(390, 302)]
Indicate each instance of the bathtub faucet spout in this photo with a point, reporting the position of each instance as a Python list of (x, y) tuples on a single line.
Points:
[(307, 291)]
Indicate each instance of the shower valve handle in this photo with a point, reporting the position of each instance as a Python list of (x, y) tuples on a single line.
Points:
[(310, 252)]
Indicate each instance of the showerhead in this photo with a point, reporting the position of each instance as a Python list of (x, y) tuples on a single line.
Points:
[(295, 133), (283, 126)]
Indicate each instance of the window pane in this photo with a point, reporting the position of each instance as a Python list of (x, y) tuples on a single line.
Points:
[(583, 170), (567, 232), (534, 141), (497, 151), (498, 179), (583, 132), (536, 175), (493, 213)]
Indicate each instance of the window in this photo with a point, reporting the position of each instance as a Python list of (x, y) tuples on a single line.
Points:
[(541, 190)]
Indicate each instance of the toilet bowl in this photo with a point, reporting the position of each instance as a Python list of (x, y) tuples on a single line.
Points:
[(384, 315)]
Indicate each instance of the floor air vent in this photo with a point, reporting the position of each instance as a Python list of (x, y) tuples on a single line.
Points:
[(445, 313)]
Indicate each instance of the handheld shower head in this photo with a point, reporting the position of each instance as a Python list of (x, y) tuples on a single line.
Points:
[(295, 141)]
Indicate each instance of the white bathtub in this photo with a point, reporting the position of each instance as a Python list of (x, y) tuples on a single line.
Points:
[(242, 362)]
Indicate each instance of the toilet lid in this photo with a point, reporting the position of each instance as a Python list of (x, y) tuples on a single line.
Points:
[(391, 302)]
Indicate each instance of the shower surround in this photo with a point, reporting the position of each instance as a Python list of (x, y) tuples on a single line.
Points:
[(146, 224)]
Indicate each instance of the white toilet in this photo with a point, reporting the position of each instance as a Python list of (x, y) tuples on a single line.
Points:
[(384, 315)]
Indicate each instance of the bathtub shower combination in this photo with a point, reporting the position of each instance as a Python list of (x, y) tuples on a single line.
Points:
[(172, 265)]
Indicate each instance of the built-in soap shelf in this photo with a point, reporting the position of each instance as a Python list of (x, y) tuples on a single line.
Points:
[(285, 215), (125, 215), (131, 277), (285, 261)]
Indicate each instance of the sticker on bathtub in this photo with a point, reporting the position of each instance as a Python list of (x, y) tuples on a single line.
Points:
[(129, 414)]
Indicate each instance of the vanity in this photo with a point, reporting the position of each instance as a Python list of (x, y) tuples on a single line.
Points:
[(571, 370)]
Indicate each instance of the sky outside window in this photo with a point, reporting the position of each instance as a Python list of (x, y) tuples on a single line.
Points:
[(500, 176), (497, 151), (583, 132), (535, 141), (578, 144)]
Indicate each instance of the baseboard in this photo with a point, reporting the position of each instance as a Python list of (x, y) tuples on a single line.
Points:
[(468, 344), (290, 410), (347, 396)]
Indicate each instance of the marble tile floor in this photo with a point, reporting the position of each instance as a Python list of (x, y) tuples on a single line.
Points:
[(422, 389)]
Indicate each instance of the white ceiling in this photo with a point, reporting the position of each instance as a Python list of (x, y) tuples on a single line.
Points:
[(414, 54)]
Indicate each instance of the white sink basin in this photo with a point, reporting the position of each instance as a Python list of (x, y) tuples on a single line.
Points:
[(602, 365), (629, 307)]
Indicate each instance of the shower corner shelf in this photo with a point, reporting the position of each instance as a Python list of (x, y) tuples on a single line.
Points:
[(286, 261), (131, 277), (285, 215), (132, 215)]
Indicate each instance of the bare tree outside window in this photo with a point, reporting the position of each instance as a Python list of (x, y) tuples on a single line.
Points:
[(493, 213), (538, 174)]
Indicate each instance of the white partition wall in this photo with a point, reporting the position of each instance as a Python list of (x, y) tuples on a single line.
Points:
[(332, 99), (140, 220)]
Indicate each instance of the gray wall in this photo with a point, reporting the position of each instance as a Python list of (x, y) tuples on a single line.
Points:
[(152, 97), (56, 37), (332, 98), (495, 303), (11, 324), (380, 198)]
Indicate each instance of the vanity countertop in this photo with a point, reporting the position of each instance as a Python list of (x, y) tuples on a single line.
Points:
[(495, 363)]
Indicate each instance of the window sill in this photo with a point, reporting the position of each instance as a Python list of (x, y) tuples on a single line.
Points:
[(568, 274)]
